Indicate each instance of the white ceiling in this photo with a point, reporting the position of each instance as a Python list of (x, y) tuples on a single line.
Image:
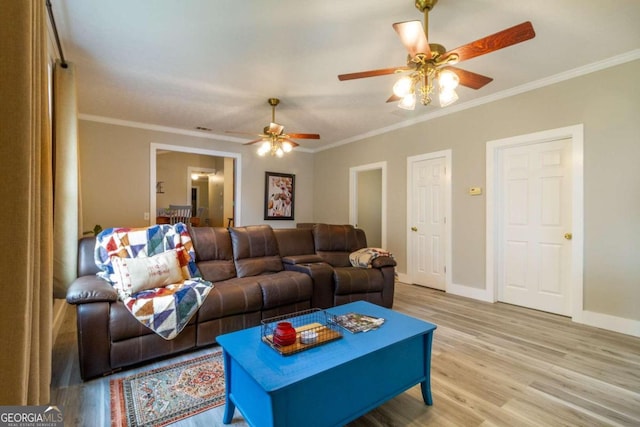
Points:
[(189, 63)]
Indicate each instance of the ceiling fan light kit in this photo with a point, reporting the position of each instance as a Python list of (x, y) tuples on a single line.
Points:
[(274, 140), (429, 63)]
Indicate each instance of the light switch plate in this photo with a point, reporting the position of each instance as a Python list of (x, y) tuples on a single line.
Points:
[(475, 191)]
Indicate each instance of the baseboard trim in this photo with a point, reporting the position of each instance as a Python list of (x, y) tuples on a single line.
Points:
[(589, 318), (403, 277), (470, 292), (609, 322)]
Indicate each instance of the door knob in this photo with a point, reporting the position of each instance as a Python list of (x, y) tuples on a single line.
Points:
[(414, 228), (568, 236)]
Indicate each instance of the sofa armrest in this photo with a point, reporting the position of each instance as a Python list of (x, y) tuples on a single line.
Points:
[(86, 289), (302, 259), (383, 261), (321, 274)]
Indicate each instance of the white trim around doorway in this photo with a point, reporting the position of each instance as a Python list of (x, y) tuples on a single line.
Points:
[(155, 147), (576, 134), (353, 196)]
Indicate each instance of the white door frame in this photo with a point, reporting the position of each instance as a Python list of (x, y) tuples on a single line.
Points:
[(353, 196), (155, 147), (576, 134), (447, 154)]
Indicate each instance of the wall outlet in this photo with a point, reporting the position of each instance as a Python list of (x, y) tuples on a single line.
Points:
[(146, 216)]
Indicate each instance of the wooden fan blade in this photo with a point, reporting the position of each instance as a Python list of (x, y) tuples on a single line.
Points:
[(372, 73), (470, 79), (303, 135), (394, 98), (413, 37), (500, 40), (254, 141)]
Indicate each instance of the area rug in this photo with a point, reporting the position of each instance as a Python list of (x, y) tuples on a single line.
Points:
[(166, 395)]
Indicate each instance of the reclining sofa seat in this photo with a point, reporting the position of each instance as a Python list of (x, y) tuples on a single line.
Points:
[(250, 283), (109, 337), (255, 253), (233, 303), (334, 244)]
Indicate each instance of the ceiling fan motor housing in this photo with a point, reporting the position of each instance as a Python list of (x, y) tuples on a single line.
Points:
[(425, 5)]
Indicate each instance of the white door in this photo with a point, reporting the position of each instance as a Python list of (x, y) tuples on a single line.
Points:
[(428, 239), (535, 224)]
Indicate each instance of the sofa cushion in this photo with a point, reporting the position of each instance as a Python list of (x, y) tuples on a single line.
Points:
[(285, 287), (295, 241), (231, 297), (334, 243), (214, 254), (353, 280), (255, 250), (122, 325)]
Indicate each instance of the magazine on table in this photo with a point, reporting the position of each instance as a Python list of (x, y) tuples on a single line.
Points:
[(357, 322)]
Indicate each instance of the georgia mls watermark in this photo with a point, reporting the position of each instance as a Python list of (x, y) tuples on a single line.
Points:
[(31, 416)]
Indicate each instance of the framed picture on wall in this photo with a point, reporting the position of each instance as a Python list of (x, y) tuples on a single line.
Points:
[(279, 192)]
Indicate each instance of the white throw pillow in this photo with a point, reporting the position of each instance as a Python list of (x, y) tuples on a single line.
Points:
[(138, 274)]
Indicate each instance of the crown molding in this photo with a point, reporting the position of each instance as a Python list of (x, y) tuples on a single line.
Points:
[(167, 129), (158, 128), (537, 84)]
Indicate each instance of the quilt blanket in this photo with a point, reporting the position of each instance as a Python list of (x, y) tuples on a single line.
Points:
[(363, 257), (165, 310)]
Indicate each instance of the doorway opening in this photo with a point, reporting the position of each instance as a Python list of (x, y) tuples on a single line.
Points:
[(368, 201), (217, 182), (205, 194)]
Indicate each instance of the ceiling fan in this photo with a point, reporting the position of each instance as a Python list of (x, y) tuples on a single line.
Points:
[(428, 62), (275, 141)]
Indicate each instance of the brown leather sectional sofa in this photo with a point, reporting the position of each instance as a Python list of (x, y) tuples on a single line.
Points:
[(258, 273)]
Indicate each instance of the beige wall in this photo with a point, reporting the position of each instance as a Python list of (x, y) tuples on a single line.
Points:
[(606, 102), (115, 175)]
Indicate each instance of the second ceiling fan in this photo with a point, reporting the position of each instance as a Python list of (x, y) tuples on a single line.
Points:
[(428, 62), (275, 141)]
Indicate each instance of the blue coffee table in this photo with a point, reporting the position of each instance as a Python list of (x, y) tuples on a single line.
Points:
[(333, 383)]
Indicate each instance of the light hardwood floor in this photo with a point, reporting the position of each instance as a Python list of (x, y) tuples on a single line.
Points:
[(493, 365)]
